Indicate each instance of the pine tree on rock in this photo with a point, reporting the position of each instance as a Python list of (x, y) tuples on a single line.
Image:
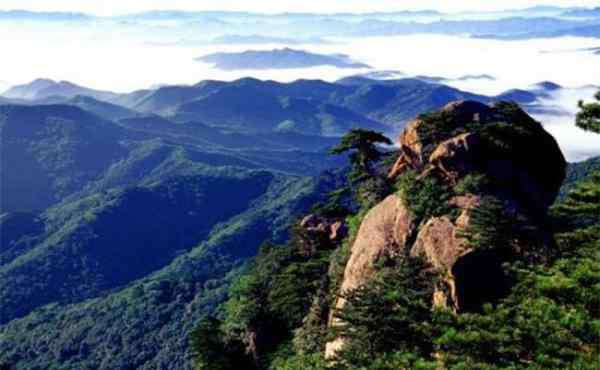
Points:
[(363, 147)]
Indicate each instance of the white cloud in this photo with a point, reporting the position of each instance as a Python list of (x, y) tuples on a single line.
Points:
[(108, 7), (120, 58), (576, 143)]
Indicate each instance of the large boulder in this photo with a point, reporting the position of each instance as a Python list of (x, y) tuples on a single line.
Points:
[(416, 139), (440, 239), (454, 158), (499, 141), (525, 169), (441, 243), (385, 230)]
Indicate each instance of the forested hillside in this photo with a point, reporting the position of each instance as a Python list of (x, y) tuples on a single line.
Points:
[(127, 218), (261, 185), (439, 261), (98, 216)]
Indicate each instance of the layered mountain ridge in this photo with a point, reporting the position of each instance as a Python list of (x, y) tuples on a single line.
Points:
[(310, 107), (138, 209)]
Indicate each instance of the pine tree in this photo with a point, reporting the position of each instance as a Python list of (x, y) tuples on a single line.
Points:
[(588, 117), (212, 352), (491, 227), (363, 147), (387, 314), (581, 207)]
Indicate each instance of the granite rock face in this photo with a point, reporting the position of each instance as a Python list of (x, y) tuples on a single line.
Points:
[(441, 243), (384, 230), (499, 141), (502, 143)]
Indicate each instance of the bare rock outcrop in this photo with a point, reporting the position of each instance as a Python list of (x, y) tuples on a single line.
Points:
[(385, 230), (441, 243), (335, 229), (415, 138), (501, 142), (466, 137), (453, 158)]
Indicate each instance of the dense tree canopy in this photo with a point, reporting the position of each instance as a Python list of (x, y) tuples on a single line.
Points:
[(390, 313), (546, 317)]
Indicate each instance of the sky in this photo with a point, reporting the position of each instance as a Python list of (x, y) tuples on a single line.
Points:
[(112, 7)]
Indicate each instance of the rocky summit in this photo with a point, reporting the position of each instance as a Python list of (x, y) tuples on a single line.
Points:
[(458, 146), (500, 141)]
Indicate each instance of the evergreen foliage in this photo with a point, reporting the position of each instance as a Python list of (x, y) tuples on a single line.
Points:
[(363, 147), (548, 316), (215, 354), (577, 172), (133, 323), (492, 227), (390, 313), (588, 118), (269, 301), (425, 197), (473, 183), (582, 204), (550, 319)]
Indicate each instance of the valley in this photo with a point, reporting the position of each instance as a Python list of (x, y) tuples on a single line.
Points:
[(298, 186)]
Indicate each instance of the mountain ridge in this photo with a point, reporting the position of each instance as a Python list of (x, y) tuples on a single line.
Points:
[(285, 58), (46, 88)]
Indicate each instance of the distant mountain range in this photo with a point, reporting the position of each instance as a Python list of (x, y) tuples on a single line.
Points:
[(306, 106), (251, 106), (277, 59), (259, 39), (391, 75), (575, 30), (593, 50), (233, 15), (45, 88), (43, 16), (584, 13), (476, 77), (246, 113), (245, 28)]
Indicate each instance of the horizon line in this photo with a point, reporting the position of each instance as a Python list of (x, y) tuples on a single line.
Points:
[(279, 13)]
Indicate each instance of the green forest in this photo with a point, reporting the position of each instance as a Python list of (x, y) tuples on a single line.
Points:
[(543, 312)]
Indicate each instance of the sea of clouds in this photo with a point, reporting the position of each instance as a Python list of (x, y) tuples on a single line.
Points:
[(129, 57)]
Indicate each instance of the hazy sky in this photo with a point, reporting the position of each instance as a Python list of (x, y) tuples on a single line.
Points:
[(108, 7)]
